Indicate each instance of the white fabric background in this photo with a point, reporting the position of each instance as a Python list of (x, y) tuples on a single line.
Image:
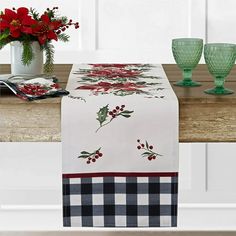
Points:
[(154, 120)]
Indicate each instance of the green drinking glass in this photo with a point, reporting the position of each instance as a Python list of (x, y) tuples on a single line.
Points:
[(220, 59), (187, 53)]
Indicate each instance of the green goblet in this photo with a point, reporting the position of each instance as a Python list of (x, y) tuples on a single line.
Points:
[(220, 58), (187, 53)]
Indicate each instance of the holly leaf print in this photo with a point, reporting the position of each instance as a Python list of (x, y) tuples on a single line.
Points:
[(106, 115), (102, 114)]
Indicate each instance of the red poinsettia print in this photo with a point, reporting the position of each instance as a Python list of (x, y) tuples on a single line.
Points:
[(118, 79), (17, 22), (114, 65), (46, 29), (113, 73), (105, 86), (33, 89), (37, 89)]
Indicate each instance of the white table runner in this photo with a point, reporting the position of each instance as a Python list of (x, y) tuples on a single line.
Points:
[(120, 147)]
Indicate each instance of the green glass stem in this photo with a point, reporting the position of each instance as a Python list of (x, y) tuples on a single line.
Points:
[(219, 82), (187, 79), (187, 75), (219, 87)]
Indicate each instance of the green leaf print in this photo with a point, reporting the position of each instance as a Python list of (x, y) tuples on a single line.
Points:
[(102, 114)]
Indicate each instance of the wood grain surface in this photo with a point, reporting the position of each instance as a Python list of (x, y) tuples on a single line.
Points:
[(203, 118)]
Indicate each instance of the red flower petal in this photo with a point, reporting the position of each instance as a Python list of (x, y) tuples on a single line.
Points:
[(13, 28), (5, 17), (4, 25), (42, 39), (45, 18), (52, 35), (87, 87), (104, 84), (27, 20), (26, 30), (15, 34), (54, 25), (36, 28), (22, 11), (9, 14)]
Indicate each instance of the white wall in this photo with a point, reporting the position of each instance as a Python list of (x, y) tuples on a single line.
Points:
[(221, 21), (135, 30)]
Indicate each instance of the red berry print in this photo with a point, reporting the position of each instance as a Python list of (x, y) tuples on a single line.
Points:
[(91, 157), (148, 151), (105, 115)]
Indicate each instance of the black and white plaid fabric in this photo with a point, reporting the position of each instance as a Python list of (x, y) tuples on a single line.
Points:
[(120, 201)]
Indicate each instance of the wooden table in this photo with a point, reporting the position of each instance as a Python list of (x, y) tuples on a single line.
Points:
[(203, 118)]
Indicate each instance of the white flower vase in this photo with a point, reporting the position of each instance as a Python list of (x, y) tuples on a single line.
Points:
[(17, 67)]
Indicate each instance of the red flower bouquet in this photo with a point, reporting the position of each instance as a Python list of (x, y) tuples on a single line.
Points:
[(27, 26)]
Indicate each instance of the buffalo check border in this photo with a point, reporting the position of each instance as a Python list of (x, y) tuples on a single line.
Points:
[(120, 199)]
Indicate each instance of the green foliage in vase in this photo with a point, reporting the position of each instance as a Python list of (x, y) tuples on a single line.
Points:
[(27, 55), (49, 52)]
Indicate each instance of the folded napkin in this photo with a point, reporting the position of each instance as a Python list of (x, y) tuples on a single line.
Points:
[(120, 147), (33, 87)]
